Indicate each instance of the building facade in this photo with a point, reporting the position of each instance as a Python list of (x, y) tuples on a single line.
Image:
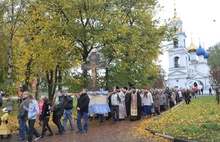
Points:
[(187, 66)]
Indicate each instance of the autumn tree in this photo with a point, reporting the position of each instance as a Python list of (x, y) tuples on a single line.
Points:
[(3, 53), (124, 32), (58, 36), (46, 43), (160, 78), (135, 43), (213, 62), (9, 25)]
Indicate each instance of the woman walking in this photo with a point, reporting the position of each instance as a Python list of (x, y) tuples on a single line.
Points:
[(46, 116)]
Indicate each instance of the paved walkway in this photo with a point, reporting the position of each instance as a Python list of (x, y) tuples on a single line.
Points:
[(124, 131)]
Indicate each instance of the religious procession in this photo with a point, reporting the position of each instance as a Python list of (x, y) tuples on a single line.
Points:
[(117, 105)]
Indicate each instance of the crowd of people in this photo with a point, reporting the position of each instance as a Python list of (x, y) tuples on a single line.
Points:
[(123, 103), (29, 110), (135, 102)]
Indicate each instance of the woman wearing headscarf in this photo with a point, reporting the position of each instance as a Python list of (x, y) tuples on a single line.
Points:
[(147, 102)]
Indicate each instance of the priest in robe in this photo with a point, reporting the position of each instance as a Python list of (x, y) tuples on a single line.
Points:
[(127, 101), (136, 104), (122, 108)]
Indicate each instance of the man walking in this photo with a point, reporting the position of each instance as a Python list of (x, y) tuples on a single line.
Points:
[(33, 111), (68, 112), (58, 112), (202, 91), (23, 116), (82, 107), (210, 91)]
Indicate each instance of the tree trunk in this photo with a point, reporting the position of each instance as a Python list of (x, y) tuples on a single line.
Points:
[(27, 75), (37, 86), (9, 82), (49, 75), (53, 80), (59, 78)]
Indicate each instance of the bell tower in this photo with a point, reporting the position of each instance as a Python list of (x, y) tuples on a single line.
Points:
[(178, 54)]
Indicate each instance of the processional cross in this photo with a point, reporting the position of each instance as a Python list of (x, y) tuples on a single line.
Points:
[(94, 63)]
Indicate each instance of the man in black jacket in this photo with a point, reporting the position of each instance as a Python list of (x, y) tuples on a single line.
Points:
[(58, 112), (82, 107), (68, 112)]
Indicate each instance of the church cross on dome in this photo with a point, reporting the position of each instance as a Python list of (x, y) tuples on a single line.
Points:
[(199, 41), (175, 18), (191, 37), (175, 14)]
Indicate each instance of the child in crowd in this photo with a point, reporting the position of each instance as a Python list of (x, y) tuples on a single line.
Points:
[(4, 127)]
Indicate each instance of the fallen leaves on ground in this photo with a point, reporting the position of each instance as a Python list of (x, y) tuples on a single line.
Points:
[(200, 120)]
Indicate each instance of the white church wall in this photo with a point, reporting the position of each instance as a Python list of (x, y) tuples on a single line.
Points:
[(201, 58), (207, 85), (178, 83), (182, 60), (193, 56), (203, 68), (181, 41), (171, 62)]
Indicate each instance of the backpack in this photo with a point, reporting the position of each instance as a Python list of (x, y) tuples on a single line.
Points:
[(67, 100), (48, 108)]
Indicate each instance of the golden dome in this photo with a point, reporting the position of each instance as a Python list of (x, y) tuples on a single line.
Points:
[(192, 47), (176, 19)]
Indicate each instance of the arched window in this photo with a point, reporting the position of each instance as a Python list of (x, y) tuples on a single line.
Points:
[(176, 62), (175, 42)]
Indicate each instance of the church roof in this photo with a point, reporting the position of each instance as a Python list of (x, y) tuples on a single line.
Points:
[(192, 47), (176, 18), (206, 55), (200, 51)]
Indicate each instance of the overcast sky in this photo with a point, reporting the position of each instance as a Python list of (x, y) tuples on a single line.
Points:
[(198, 18)]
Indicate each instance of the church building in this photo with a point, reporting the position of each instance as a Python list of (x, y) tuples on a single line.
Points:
[(187, 65)]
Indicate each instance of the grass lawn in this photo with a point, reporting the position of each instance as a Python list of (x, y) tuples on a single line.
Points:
[(200, 121)]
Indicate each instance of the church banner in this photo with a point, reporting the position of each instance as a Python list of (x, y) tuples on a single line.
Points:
[(98, 104)]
